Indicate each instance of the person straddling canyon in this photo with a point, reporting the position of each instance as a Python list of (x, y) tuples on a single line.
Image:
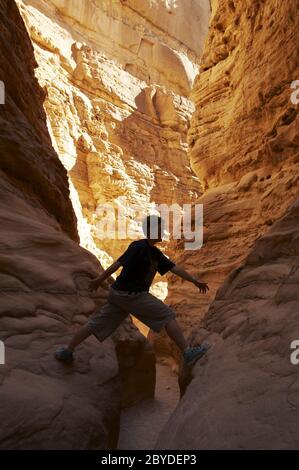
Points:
[(129, 293)]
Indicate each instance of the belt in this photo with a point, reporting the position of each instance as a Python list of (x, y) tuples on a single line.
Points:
[(136, 292), (129, 291)]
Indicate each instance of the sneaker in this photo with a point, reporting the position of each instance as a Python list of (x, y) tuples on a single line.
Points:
[(64, 355), (191, 355)]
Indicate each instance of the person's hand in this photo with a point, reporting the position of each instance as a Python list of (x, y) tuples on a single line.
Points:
[(203, 286), (94, 284)]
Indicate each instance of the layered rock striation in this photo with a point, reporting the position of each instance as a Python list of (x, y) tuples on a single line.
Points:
[(43, 284), (117, 77), (243, 141), (244, 147), (244, 393)]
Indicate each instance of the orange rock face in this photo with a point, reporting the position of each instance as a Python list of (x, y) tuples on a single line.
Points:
[(244, 142), (118, 76), (244, 393), (43, 283), (115, 78)]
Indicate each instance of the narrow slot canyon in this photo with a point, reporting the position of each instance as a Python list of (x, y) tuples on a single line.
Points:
[(123, 107), (141, 424)]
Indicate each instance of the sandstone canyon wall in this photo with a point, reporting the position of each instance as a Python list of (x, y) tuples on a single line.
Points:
[(117, 75), (244, 393), (244, 146), (243, 142), (115, 79), (43, 283)]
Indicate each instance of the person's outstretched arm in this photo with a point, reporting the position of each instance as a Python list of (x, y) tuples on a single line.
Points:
[(179, 271), (95, 283)]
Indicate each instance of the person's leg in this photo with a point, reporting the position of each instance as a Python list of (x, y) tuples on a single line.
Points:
[(102, 325), (190, 354), (80, 336), (175, 333), (156, 315), (65, 353)]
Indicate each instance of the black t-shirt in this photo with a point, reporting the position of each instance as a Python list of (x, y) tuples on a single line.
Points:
[(140, 263)]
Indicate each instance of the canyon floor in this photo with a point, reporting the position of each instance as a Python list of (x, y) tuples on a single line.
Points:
[(141, 424)]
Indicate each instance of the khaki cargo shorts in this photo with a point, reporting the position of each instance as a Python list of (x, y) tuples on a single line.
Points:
[(143, 305)]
